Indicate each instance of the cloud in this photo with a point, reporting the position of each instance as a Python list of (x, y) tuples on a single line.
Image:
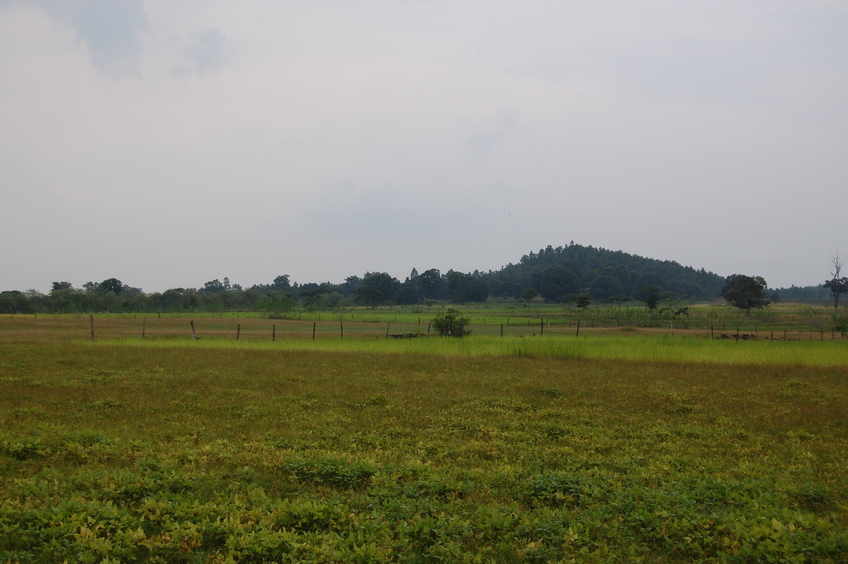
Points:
[(204, 54), (207, 50), (482, 141), (109, 28)]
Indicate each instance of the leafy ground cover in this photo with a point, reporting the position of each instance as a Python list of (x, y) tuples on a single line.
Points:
[(220, 451)]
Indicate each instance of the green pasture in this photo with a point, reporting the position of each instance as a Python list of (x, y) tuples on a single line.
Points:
[(629, 446), (782, 320)]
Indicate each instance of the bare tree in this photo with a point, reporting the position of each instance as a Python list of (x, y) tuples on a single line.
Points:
[(837, 285)]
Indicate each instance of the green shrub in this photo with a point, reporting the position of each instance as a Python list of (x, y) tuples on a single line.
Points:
[(451, 324)]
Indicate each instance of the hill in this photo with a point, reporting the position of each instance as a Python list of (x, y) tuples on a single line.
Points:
[(601, 273)]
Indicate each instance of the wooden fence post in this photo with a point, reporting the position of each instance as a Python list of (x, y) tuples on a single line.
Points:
[(577, 334), (274, 332), (238, 331), (341, 329), (91, 323), (542, 326), (314, 325), (387, 330), (501, 329), (193, 332)]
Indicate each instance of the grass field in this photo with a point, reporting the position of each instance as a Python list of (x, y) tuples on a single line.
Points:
[(613, 446)]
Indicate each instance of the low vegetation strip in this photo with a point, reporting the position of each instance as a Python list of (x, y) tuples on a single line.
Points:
[(662, 348), (229, 453)]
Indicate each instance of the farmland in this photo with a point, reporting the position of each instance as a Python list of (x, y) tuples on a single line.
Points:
[(322, 440)]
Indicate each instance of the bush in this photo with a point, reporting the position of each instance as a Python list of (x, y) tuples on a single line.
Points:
[(451, 324), (839, 323)]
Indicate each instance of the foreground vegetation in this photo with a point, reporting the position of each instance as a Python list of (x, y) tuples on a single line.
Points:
[(484, 449)]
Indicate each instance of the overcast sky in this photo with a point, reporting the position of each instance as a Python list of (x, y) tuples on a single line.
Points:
[(171, 142)]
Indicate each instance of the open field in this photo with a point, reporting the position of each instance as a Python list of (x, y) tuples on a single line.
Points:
[(620, 445), (789, 321)]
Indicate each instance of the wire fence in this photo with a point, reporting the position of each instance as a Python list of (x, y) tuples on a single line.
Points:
[(52, 328)]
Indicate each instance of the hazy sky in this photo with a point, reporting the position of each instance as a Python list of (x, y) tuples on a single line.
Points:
[(170, 142)]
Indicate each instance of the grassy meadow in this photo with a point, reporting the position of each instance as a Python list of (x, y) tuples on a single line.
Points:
[(621, 444)]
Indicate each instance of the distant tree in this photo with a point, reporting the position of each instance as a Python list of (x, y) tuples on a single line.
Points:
[(112, 286), (213, 287), (558, 281), (281, 283), (651, 295), (581, 300), (430, 284), (452, 324), (311, 298), (407, 294), (174, 299), (13, 301), (332, 300), (279, 303), (745, 292), (619, 300), (529, 295), (837, 284), (250, 298), (464, 288), (61, 286), (351, 285), (673, 306), (370, 295), (605, 285), (386, 283)]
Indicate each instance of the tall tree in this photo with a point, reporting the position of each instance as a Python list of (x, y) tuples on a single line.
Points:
[(430, 284)]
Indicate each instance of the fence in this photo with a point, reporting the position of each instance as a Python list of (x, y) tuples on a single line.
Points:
[(29, 328)]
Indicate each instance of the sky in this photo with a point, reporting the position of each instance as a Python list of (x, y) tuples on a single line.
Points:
[(167, 143)]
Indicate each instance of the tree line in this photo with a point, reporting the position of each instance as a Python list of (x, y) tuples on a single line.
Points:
[(573, 273)]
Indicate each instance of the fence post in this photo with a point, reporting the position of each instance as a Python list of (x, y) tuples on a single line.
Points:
[(193, 332), (238, 331), (314, 325), (143, 326), (273, 332), (387, 330), (541, 326), (577, 334), (91, 323), (501, 329), (341, 329)]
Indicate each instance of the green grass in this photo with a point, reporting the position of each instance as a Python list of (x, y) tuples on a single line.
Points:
[(629, 448), (646, 348)]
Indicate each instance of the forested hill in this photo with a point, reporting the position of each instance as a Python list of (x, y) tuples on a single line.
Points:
[(555, 272)]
